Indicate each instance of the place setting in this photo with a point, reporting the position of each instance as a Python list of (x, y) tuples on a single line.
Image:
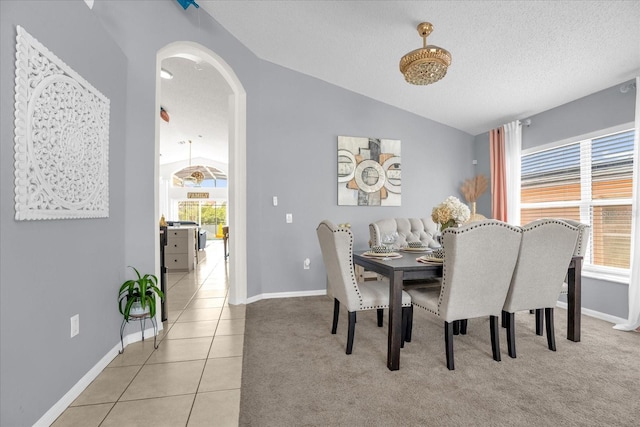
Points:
[(382, 252), (434, 257), (385, 251), (418, 247)]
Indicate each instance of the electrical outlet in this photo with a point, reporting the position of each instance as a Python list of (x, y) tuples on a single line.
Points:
[(75, 325), (289, 218)]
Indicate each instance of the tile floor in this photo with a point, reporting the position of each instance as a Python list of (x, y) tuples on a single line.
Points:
[(192, 379)]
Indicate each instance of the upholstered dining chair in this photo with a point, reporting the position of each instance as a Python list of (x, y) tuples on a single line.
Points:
[(336, 245), (479, 259), (409, 230), (584, 231), (545, 253)]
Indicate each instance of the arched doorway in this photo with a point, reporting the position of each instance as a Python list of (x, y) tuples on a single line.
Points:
[(237, 161)]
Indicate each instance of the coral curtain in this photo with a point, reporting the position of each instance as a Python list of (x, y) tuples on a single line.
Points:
[(513, 162), (633, 321), (498, 174)]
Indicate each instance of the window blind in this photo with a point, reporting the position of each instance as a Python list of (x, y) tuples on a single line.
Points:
[(588, 181)]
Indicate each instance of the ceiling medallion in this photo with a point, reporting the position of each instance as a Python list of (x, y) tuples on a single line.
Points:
[(425, 65)]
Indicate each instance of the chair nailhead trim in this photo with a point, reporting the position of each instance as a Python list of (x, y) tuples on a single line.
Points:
[(351, 268), (425, 308), (460, 230)]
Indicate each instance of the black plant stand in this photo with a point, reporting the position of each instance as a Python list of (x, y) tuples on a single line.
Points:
[(143, 319)]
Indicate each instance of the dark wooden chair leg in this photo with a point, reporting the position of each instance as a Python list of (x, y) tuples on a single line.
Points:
[(448, 344), (551, 336), (504, 319), (407, 337), (511, 334), (539, 321), (463, 327), (380, 316), (456, 327), (352, 329), (495, 337), (405, 319), (336, 313)]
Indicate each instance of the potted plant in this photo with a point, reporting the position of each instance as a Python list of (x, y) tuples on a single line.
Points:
[(138, 296)]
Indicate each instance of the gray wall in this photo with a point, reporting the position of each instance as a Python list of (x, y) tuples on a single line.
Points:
[(52, 270), (601, 110), (295, 156), (59, 268)]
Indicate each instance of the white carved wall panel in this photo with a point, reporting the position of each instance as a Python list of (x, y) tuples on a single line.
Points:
[(61, 138)]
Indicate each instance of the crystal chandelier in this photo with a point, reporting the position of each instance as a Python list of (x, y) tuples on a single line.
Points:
[(425, 65)]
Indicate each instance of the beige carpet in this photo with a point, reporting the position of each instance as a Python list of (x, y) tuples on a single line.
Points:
[(295, 373)]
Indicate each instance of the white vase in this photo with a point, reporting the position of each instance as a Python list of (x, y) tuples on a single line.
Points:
[(137, 310)]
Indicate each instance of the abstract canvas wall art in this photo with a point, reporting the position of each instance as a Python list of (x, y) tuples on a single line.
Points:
[(61, 138), (369, 172)]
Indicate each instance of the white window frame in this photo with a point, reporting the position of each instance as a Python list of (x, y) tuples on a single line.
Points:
[(612, 274)]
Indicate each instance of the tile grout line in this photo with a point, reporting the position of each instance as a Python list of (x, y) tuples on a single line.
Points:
[(214, 334), (145, 363)]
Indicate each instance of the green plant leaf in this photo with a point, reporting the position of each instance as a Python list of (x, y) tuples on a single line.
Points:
[(143, 289), (152, 306)]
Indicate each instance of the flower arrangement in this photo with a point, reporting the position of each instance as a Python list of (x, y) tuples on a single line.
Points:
[(450, 212)]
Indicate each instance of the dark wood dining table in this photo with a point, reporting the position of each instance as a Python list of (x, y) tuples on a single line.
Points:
[(407, 268)]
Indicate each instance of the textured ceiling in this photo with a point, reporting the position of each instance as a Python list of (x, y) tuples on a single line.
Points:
[(511, 59), (196, 101)]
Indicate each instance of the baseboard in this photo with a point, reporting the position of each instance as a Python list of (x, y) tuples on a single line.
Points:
[(286, 295), (598, 315), (61, 405), (587, 312)]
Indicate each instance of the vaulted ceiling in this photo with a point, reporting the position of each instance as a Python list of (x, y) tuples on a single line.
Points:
[(510, 59)]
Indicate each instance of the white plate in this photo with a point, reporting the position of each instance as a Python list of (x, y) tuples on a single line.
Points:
[(408, 249), (387, 255), (431, 259)]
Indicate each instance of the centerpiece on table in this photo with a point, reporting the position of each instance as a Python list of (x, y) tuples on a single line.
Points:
[(451, 212)]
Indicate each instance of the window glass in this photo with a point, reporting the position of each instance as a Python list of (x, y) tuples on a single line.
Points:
[(590, 181)]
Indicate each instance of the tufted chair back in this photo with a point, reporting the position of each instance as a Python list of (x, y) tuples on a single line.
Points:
[(408, 229), (546, 251), (337, 252), (478, 265)]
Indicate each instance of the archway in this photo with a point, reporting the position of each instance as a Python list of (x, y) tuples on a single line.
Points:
[(237, 161)]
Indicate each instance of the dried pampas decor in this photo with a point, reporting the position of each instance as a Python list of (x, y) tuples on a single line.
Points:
[(472, 189)]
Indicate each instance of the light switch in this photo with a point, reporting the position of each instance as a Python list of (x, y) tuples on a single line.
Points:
[(289, 218), (275, 200)]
